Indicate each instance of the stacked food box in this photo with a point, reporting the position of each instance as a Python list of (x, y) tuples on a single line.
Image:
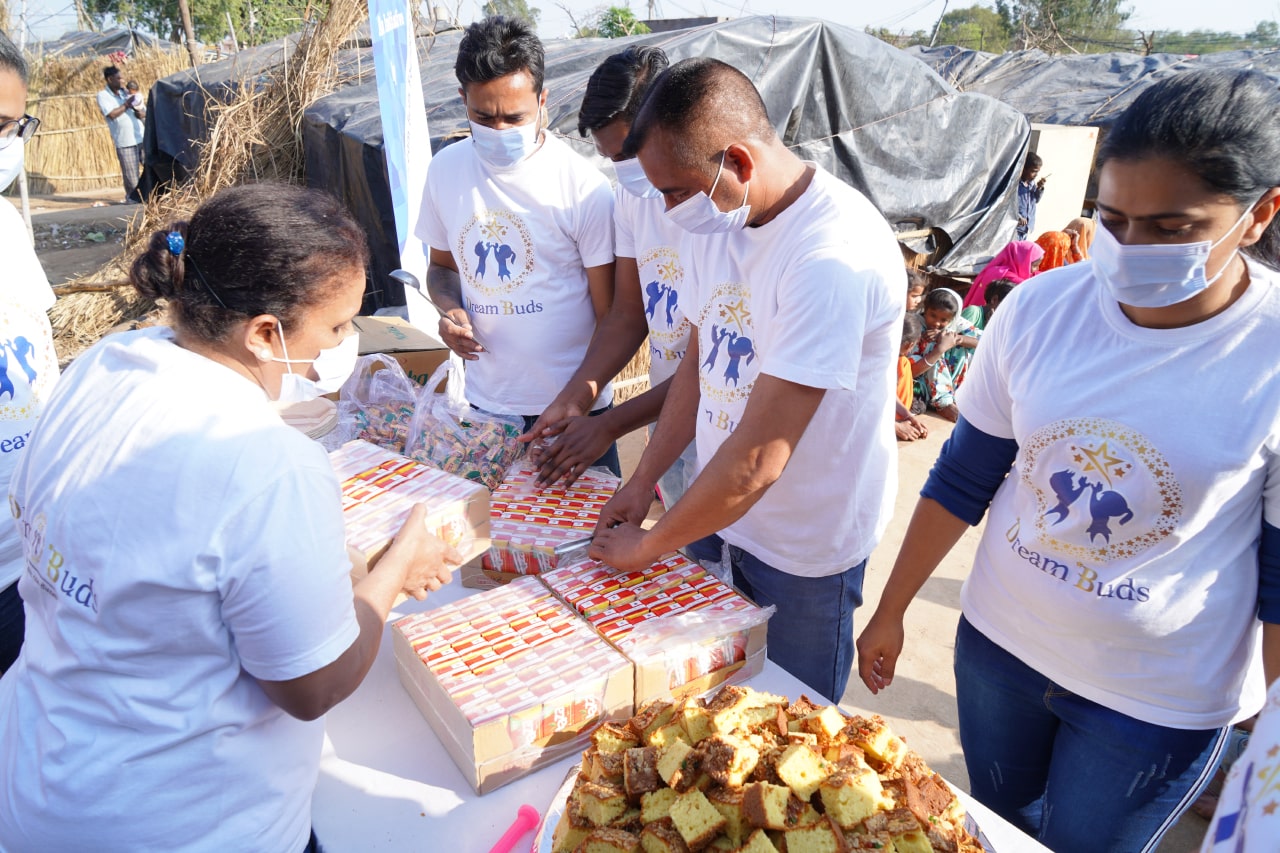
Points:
[(380, 488), (529, 523), (510, 680), (685, 630)]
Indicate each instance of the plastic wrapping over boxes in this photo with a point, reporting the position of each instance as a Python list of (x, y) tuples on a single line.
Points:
[(527, 525), (379, 489), (685, 630), (510, 680)]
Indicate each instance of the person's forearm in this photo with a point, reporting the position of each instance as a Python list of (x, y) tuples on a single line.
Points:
[(922, 364), (445, 287), (931, 534), (616, 340), (677, 423), (1271, 651), (638, 411)]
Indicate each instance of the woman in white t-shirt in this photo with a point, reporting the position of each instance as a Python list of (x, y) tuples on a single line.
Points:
[(1121, 427), (190, 614)]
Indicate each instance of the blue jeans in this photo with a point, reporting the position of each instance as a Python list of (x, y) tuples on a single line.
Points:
[(13, 620), (1071, 773), (811, 634)]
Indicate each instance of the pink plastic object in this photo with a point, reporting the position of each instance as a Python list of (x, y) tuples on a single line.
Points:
[(526, 819)]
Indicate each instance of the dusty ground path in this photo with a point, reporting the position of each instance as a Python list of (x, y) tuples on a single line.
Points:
[(78, 233)]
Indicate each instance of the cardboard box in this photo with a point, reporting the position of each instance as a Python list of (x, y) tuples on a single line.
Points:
[(709, 634), (501, 716), (380, 488), (418, 352)]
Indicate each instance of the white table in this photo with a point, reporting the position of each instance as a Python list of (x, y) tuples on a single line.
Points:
[(386, 782)]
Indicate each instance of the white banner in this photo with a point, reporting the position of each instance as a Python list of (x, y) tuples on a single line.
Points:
[(406, 141)]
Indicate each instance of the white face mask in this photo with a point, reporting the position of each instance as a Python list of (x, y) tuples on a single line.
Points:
[(631, 178), (10, 162), (333, 366), (698, 214), (1156, 275), (507, 147)]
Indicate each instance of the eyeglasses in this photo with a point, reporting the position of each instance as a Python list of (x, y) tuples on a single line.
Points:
[(19, 128)]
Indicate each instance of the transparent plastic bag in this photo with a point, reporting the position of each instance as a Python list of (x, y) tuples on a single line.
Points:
[(377, 404), (450, 434)]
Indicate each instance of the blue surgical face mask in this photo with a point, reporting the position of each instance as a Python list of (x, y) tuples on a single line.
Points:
[(1157, 275), (631, 178), (507, 147), (698, 214)]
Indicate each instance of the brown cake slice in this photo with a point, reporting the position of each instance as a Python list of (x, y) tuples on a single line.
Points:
[(609, 840), (662, 837), (640, 772), (696, 819), (727, 759)]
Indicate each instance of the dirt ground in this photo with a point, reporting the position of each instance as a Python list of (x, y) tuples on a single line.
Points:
[(77, 234)]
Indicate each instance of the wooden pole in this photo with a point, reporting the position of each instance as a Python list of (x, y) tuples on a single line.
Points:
[(235, 44), (189, 31)]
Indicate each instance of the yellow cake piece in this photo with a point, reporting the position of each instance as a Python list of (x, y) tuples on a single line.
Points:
[(613, 738), (650, 718), (852, 798), (765, 805), (826, 724), (601, 804), (802, 770), (696, 819), (883, 748), (661, 836), (669, 733), (657, 805), (757, 842), (676, 767), (727, 759), (728, 801), (608, 840), (572, 829), (604, 767), (695, 719), (821, 837)]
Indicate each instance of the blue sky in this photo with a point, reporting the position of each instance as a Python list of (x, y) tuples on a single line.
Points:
[(49, 18)]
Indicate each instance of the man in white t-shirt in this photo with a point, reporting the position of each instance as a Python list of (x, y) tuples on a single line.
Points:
[(520, 233), (788, 381), (650, 293), (124, 119), (28, 364)]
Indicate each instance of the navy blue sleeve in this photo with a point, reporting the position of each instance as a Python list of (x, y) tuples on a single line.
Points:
[(970, 468), (1269, 575)]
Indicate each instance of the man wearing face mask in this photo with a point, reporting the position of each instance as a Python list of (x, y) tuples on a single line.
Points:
[(28, 364), (788, 382), (520, 232), (651, 291)]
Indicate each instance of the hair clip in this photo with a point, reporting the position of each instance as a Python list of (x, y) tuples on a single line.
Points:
[(176, 243)]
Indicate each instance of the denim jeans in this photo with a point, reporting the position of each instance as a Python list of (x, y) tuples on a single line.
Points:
[(811, 634), (1072, 773), (13, 620)]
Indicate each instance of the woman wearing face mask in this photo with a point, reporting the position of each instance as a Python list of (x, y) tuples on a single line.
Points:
[(190, 614), (28, 364), (1122, 610)]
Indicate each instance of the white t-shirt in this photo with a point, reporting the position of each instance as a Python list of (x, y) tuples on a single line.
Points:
[(522, 238), (646, 234), (813, 297), (125, 130), (181, 542), (1248, 816), (1119, 557), (28, 363)]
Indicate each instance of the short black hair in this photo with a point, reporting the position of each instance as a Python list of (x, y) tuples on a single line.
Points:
[(109, 72), (1221, 125), (618, 86), (912, 327), (264, 248), (693, 98), (917, 278), (1033, 161), (12, 58), (496, 47), (941, 297), (997, 291)]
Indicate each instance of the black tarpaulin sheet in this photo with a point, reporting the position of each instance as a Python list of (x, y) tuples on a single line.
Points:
[(1082, 89), (925, 154), (85, 43)]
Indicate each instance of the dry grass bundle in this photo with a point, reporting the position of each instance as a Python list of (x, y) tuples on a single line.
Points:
[(73, 150), (256, 137), (633, 380)]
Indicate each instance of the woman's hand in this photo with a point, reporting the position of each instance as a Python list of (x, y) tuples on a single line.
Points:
[(428, 560), (947, 341), (879, 646)]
